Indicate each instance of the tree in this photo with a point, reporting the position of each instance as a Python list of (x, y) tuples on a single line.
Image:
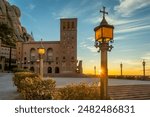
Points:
[(7, 35)]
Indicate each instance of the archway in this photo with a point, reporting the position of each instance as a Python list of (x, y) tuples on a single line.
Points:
[(49, 70), (56, 69), (32, 69)]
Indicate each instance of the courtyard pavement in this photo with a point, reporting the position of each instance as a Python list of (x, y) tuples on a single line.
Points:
[(8, 90)]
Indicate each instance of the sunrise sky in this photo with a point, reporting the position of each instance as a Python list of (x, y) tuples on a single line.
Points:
[(131, 19)]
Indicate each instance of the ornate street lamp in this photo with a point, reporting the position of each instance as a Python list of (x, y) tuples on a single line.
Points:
[(28, 65), (38, 66), (121, 65), (104, 35), (95, 70), (18, 64), (22, 64), (41, 52), (143, 63)]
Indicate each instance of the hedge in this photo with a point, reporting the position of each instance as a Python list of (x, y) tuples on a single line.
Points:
[(82, 91), (18, 76), (37, 89)]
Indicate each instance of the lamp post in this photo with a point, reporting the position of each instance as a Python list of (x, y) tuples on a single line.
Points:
[(41, 52), (95, 70), (104, 35), (10, 51), (121, 65), (143, 68), (38, 66), (22, 64)]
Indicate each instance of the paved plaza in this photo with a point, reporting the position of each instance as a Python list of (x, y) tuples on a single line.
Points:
[(118, 89), (7, 89)]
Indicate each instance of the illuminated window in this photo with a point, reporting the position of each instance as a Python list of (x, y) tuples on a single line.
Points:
[(49, 54), (32, 54)]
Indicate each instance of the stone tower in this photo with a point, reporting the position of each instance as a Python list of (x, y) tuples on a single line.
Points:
[(68, 43)]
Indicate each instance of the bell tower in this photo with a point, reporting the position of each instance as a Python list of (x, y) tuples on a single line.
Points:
[(68, 43)]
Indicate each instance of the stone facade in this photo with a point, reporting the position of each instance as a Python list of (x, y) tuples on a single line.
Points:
[(60, 56), (10, 15), (7, 57)]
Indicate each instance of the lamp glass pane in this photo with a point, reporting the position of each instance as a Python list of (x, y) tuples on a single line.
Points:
[(98, 34), (41, 50), (107, 32)]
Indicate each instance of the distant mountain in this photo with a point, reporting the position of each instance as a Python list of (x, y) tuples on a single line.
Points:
[(7, 35), (10, 21)]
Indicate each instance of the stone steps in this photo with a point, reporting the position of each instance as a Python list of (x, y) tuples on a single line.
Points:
[(129, 92)]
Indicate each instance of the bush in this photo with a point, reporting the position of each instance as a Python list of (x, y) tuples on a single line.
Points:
[(18, 76), (32, 87), (37, 89), (82, 91), (20, 70)]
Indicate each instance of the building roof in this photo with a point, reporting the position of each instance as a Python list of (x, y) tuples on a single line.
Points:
[(43, 42), (68, 18)]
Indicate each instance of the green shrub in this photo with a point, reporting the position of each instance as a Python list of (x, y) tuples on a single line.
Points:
[(82, 91), (20, 70), (18, 76), (37, 89)]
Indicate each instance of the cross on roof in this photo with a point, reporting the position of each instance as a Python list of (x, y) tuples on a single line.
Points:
[(104, 12), (42, 43)]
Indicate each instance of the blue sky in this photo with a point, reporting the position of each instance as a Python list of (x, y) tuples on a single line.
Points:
[(131, 19)]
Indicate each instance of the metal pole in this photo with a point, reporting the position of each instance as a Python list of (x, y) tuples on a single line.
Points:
[(143, 69), (104, 75), (121, 68), (41, 67), (10, 59), (95, 70), (3, 64)]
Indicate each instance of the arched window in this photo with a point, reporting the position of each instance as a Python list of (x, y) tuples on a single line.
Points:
[(57, 58), (68, 25), (25, 67), (72, 59), (0, 66), (49, 54), (64, 25), (49, 70), (64, 57), (32, 69), (56, 69), (72, 24), (32, 54), (25, 58)]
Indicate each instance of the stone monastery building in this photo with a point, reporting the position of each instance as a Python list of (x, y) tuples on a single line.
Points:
[(60, 56)]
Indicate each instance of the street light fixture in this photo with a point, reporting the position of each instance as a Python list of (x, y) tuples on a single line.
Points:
[(143, 68), (104, 35), (95, 70), (121, 65), (41, 52)]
